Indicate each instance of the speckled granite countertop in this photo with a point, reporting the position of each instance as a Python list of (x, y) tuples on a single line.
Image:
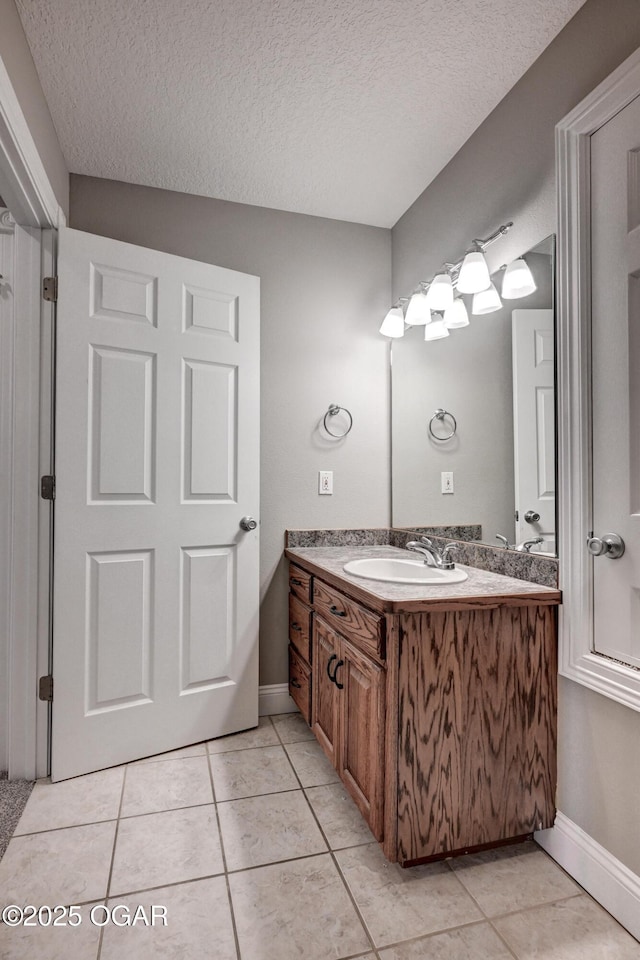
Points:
[(481, 589)]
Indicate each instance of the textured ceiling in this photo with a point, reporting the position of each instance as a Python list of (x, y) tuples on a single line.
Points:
[(339, 108)]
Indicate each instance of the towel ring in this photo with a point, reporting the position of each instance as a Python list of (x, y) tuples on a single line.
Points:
[(440, 414), (331, 412)]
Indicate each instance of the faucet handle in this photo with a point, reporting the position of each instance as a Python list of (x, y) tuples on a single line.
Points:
[(448, 548), (426, 540), (507, 545)]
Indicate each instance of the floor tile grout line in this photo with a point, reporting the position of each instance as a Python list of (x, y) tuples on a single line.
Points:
[(232, 913), (335, 862), (503, 940), (432, 934), (113, 856)]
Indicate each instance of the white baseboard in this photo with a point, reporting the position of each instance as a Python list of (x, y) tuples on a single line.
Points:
[(274, 699), (600, 873)]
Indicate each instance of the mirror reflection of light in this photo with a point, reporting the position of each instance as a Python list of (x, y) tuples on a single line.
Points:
[(517, 281), (456, 315)]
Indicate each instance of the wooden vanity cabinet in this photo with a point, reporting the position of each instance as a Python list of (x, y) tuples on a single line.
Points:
[(441, 722)]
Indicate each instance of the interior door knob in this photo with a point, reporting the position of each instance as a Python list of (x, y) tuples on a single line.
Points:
[(608, 545), (531, 516), (248, 523)]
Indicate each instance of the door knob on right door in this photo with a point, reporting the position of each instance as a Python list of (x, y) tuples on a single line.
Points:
[(608, 545), (531, 516)]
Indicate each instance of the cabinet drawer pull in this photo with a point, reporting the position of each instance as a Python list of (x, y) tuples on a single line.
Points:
[(298, 583), (294, 683), (339, 664), (334, 656), (337, 613), (297, 627)]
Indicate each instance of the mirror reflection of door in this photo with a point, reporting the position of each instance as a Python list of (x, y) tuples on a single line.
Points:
[(534, 428)]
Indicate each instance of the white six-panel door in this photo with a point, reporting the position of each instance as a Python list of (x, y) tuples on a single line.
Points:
[(157, 461)]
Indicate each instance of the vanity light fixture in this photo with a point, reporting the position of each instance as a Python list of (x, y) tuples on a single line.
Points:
[(440, 292), (517, 280), (456, 315), (393, 323), (469, 275), (437, 329), (474, 273), (486, 301), (418, 311)]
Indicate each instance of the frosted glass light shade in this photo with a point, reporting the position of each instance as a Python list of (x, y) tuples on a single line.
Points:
[(474, 273), (486, 301), (418, 311), (393, 323), (440, 293), (436, 330), (517, 281), (456, 315)]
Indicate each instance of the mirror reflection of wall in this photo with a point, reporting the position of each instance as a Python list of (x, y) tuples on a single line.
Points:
[(502, 465)]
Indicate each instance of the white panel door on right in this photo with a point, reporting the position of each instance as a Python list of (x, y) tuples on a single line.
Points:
[(157, 461), (615, 251)]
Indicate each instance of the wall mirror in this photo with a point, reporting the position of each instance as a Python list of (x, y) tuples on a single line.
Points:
[(497, 378)]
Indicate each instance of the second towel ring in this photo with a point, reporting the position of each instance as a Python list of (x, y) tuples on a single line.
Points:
[(331, 412), (440, 414)]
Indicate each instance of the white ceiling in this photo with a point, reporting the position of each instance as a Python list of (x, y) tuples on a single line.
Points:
[(339, 108)]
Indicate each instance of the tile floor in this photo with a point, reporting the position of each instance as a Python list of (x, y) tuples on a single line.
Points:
[(254, 849)]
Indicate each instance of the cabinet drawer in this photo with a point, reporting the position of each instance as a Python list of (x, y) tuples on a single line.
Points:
[(300, 684), (300, 627), (300, 583), (362, 627)]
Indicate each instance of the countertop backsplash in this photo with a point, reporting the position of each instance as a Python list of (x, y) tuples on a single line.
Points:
[(523, 566)]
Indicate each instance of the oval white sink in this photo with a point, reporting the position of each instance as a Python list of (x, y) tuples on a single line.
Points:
[(397, 570)]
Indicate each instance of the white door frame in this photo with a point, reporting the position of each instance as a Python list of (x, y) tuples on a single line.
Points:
[(577, 661), (26, 189)]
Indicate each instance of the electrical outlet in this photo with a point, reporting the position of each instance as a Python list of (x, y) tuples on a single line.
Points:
[(325, 482), (446, 482)]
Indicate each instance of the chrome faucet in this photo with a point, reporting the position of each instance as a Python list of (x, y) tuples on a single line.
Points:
[(432, 555), (507, 545), (525, 546)]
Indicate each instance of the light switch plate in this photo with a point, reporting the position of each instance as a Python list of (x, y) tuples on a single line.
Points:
[(446, 482)]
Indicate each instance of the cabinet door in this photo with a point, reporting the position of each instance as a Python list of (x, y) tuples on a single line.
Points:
[(361, 757), (324, 703)]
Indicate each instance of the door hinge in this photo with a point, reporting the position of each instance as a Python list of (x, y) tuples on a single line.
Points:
[(45, 688), (50, 289), (48, 487)]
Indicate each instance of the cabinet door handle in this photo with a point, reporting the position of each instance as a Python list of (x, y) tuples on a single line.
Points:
[(297, 627), (294, 683), (339, 664), (337, 613), (334, 656), (298, 583)]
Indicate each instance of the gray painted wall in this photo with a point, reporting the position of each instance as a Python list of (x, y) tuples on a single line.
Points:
[(324, 285), (506, 171), (16, 56)]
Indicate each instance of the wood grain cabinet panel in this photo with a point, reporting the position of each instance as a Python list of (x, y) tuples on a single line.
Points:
[(300, 627), (300, 683), (476, 727), (361, 757), (325, 718)]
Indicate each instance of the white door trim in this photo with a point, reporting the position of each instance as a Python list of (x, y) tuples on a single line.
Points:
[(24, 184), (576, 660), (26, 188)]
